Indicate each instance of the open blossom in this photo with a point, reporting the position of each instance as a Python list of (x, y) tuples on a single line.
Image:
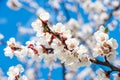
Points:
[(14, 48), (105, 46), (83, 49), (14, 73), (44, 16), (113, 43), (14, 4), (11, 42), (37, 27), (83, 56), (102, 75), (9, 50), (100, 35), (72, 43), (62, 30), (59, 27), (22, 53), (34, 51), (57, 45)]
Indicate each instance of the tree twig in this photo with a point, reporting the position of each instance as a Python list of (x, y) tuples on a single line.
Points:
[(105, 63), (63, 71), (50, 72)]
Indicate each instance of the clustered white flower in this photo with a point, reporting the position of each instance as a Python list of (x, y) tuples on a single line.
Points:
[(62, 42), (53, 43), (14, 48), (57, 42), (14, 73), (105, 46)]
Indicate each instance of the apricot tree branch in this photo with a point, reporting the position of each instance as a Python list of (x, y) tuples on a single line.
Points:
[(105, 63)]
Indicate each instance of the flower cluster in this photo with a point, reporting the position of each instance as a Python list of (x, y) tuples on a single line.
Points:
[(14, 48), (56, 42), (14, 73), (52, 43), (73, 45), (105, 46)]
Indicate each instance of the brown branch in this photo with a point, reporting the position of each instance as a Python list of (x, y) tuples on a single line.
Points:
[(57, 35), (63, 71), (89, 36), (105, 63)]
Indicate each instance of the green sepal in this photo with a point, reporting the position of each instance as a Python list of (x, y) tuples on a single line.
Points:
[(106, 30)]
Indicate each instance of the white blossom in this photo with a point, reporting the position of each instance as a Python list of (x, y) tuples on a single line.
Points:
[(72, 43), (101, 36), (113, 43), (37, 27), (15, 72), (14, 4), (101, 75), (8, 52), (44, 16)]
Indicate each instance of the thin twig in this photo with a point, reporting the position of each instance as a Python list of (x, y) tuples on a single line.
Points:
[(50, 72), (63, 71), (105, 63)]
